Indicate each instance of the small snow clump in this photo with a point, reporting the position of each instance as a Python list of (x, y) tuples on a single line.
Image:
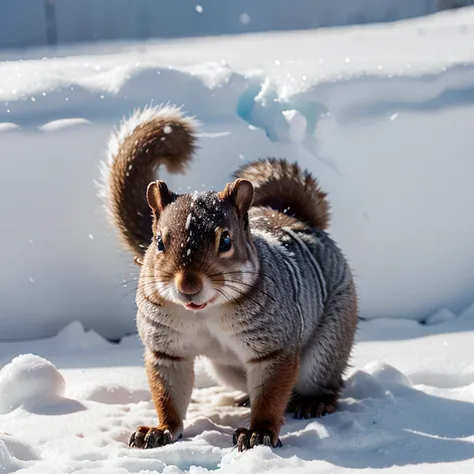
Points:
[(29, 380)]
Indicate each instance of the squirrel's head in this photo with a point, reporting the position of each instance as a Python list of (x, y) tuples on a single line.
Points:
[(201, 253)]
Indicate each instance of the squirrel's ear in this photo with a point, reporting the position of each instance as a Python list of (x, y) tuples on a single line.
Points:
[(158, 196), (240, 192)]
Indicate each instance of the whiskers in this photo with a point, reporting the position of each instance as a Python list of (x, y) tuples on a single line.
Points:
[(242, 289), (231, 286), (241, 272), (148, 279)]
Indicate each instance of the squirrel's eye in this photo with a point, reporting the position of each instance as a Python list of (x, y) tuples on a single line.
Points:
[(159, 243), (225, 243)]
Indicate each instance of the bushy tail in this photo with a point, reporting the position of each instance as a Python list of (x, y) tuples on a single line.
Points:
[(149, 138), (287, 188)]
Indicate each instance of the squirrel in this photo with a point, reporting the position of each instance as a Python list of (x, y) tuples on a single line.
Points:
[(247, 277)]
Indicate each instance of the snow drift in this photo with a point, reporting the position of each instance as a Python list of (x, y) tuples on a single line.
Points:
[(383, 122), (407, 408)]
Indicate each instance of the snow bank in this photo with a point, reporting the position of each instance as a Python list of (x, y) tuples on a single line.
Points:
[(66, 21), (406, 408), (382, 121)]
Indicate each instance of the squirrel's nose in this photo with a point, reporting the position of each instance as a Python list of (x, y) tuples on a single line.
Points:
[(188, 283)]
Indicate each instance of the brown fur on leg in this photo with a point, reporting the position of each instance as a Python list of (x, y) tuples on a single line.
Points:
[(270, 383), (269, 406), (167, 414), (169, 420)]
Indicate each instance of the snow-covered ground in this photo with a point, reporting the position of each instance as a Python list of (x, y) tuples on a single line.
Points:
[(382, 115), (408, 408)]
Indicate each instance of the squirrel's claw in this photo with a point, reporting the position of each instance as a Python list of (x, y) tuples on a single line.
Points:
[(305, 407), (148, 438), (245, 439)]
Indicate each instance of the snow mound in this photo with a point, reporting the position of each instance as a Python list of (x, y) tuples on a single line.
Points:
[(361, 385), (62, 124), (28, 381), (74, 336), (8, 127), (441, 316), (387, 374)]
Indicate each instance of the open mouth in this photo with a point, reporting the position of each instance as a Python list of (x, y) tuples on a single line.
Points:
[(194, 306)]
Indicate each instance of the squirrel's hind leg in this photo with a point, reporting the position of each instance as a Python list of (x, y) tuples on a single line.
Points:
[(325, 357), (229, 375)]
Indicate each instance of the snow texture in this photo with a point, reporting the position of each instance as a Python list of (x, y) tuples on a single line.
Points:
[(382, 115), (407, 408), (67, 21), (382, 121)]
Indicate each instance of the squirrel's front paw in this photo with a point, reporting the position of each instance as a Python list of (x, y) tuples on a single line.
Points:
[(147, 438), (245, 439)]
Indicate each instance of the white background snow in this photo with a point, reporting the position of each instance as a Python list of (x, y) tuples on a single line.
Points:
[(381, 113)]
